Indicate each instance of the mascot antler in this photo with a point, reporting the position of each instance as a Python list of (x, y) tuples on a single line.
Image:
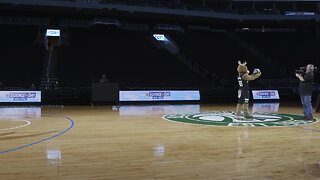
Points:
[(245, 63)]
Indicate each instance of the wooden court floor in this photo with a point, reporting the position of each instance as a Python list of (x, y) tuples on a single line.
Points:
[(135, 142)]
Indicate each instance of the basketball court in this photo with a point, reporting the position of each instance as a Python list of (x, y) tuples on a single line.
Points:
[(159, 90), (154, 142)]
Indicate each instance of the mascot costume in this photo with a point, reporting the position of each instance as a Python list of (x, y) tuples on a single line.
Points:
[(243, 92)]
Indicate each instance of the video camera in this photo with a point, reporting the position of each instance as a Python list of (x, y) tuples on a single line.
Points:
[(302, 70)]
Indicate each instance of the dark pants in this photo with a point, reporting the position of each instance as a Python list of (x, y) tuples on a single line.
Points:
[(318, 103)]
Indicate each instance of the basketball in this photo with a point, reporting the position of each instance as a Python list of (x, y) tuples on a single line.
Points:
[(255, 71)]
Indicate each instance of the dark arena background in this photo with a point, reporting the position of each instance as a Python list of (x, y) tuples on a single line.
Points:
[(54, 53), (115, 38)]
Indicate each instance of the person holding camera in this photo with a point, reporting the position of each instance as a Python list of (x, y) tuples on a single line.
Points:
[(305, 90)]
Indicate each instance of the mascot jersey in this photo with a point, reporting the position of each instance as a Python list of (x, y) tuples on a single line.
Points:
[(243, 84)]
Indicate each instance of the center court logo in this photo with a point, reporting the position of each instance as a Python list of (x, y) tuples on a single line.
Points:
[(218, 118)]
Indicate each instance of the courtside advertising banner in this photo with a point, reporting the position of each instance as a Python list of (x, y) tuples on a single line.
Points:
[(161, 95), (20, 96), (265, 94)]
